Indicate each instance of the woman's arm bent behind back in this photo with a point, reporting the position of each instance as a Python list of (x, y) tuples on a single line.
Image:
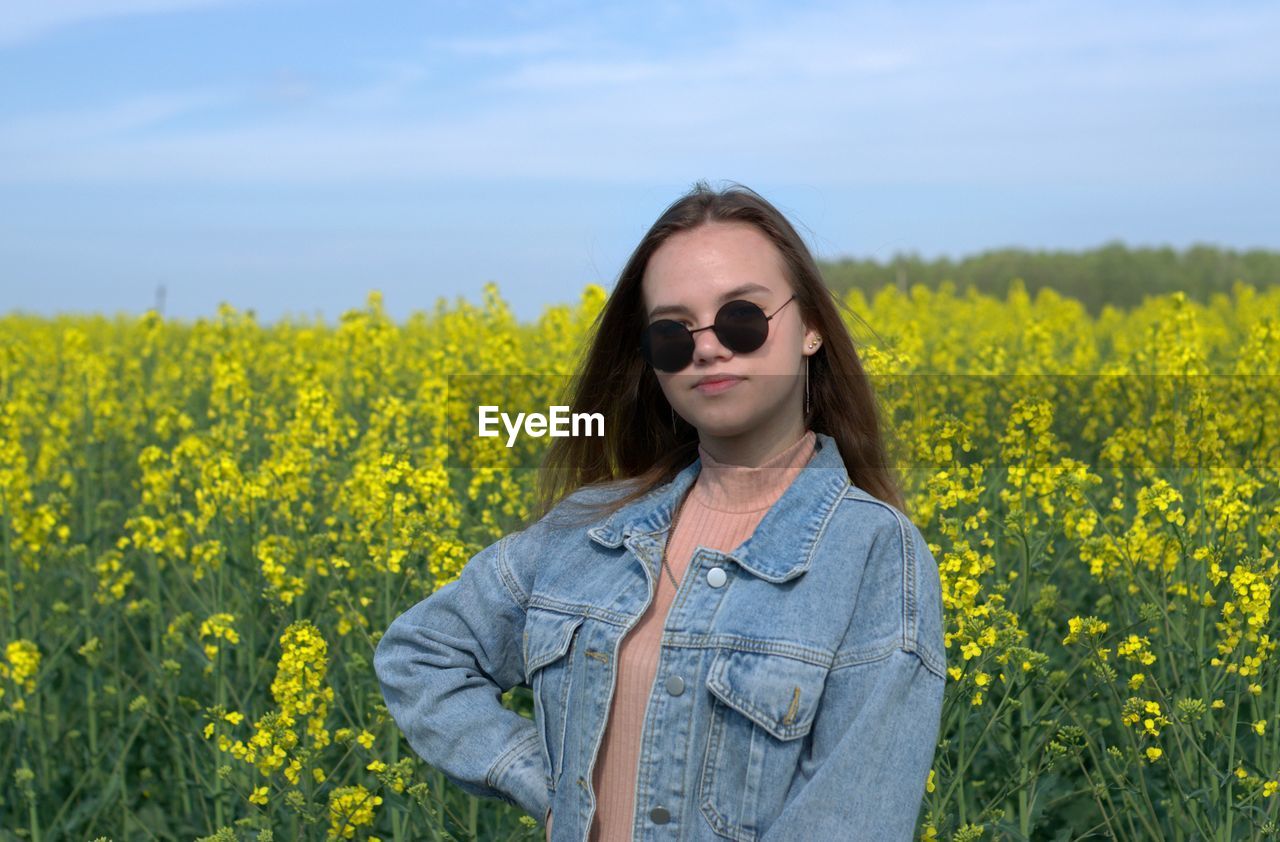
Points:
[(443, 666)]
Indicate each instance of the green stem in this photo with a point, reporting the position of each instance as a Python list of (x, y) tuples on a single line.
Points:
[(1026, 800), (957, 776), (221, 695), (34, 819), (1100, 761), (1093, 793), (120, 717), (153, 587), (11, 596), (1146, 815), (93, 714), (1225, 836)]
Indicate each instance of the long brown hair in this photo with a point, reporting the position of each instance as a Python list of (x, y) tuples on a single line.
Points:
[(640, 450)]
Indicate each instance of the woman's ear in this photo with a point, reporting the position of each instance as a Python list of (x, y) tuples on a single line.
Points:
[(812, 341)]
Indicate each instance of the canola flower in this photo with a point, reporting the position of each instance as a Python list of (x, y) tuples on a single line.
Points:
[(18, 671), (350, 808), (288, 737), (1100, 493), (218, 627), (299, 687)]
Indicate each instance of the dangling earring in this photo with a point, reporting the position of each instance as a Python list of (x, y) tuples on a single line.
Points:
[(673, 421), (812, 345)]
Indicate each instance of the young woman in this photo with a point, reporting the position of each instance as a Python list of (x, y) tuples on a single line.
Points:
[(738, 633)]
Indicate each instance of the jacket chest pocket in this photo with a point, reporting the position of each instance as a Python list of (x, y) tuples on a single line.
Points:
[(762, 706), (548, 656)]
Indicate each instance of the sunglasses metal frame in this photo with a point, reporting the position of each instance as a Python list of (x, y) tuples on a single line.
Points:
[(768, 318)]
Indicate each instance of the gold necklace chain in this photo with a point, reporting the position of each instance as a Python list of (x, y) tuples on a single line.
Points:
[(675, 518)]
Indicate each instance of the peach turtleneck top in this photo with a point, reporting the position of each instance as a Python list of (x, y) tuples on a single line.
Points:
[(722, 509)]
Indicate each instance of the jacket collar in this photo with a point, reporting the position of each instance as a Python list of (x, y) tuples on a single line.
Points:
[(782, 545)]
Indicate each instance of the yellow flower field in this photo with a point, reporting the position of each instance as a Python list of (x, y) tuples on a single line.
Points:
[(206, 526)]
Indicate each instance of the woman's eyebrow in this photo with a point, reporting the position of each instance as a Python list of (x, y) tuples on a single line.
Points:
[(741, 289)]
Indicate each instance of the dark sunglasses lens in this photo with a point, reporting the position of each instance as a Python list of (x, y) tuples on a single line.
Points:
[(667, 345), (741, 326)]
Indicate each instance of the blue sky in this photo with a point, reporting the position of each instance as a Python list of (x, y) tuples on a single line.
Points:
[(288, 156)]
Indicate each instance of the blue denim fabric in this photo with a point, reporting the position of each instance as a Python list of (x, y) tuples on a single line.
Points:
[(799, 700)]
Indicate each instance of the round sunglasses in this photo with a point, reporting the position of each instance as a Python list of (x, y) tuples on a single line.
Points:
[(740, 326)]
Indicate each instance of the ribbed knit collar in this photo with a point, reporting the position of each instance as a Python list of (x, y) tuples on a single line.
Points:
[(725, 487)]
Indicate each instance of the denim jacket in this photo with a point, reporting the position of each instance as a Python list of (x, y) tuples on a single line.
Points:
[(799, 687)]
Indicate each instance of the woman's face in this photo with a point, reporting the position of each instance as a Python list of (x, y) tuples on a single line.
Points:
[(695, 272)]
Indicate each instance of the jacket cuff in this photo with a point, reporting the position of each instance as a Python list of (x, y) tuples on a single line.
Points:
[(521, 775)]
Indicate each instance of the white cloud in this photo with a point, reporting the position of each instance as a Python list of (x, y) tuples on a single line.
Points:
[(997, 92), (25, 21), (395, 85), (27, 135), (506, 46)]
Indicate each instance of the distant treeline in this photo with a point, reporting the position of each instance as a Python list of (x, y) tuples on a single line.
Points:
[(1111, 274)]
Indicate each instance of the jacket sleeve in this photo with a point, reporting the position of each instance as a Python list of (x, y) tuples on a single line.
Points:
[(443, 666), (877, 726)]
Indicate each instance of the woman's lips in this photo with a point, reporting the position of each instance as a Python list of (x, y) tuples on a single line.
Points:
[(715, 387)]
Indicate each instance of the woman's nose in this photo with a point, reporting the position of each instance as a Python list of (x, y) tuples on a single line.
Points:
[(707, 346)]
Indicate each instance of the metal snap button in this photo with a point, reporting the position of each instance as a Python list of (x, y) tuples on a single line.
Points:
[(675, 685), (716, 577), (659, 815)]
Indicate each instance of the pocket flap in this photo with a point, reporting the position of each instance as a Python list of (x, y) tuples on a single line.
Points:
[(547, 635), (778, 693)]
